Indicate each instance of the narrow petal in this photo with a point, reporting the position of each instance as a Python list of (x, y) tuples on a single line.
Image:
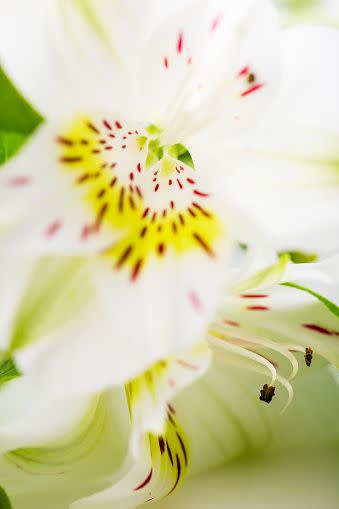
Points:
[(68, 40), (149, 393), (59, 449), (284, 176), (292, 316), (158, 471), (206, 66)]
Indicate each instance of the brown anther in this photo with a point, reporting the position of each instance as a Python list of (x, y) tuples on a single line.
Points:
[(308, 356), (267, 393), (251, 78)]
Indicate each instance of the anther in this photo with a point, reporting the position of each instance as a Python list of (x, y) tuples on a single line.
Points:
[(308, 356), (267, 393)]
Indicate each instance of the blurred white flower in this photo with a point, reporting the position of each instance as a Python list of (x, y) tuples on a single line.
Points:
[(260, 325)]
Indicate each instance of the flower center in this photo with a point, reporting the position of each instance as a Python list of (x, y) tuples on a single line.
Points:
[(147, 193)]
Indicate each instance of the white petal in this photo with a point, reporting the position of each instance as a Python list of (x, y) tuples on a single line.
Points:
[(11, 294), (70, 51), (293, 317), (157, 472), (149, 393), (32, 420), (63, 449), (192, 71), (284, 176)]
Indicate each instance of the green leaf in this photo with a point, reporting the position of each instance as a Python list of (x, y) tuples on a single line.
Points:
[(10, 143), (18, 119), (8, 371), (331, 306), (4, 500)]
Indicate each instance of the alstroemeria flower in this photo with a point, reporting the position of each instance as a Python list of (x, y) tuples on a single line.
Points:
[(111, 175)]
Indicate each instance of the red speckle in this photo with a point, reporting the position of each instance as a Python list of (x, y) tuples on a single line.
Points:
[(145, 482), (170, 408), (186, 365), (156, 188), (189, 60), (107, 124), (143, 232), (123, 146), (136, 270), (139, 167), (180, 42), (138, 191), (93, 128), (166, 62), (145, 213), (216, 22), (64, 141), (252, 89), (317, 328), (190, 181), (258, 308), (199, 193), (161, 249), (109, 147), (195, 301), (172, 204), (53, 228), (232, 323), (161, 445), (19, 181), (254, 296), (111, 135), (131, 176), (179, 183), (201, 209), (170, 182), (74, 159), (118, 125), (86, 231), (244, 71)]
